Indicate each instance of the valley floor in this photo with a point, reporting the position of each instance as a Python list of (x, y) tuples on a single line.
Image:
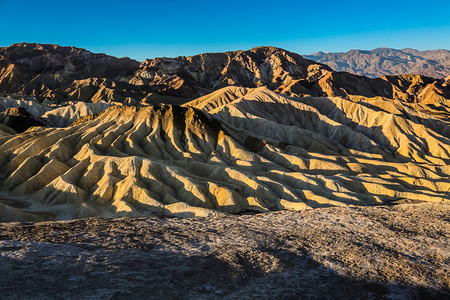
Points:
[(394, 252)]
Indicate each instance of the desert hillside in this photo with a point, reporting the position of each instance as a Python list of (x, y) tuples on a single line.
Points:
[(236, 150), (236, 175), (265, 130), (59, 74)]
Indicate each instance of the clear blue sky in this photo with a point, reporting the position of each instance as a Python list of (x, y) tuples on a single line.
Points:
[(147, 29)]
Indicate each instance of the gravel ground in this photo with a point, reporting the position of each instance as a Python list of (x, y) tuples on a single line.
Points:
[(393, 252)]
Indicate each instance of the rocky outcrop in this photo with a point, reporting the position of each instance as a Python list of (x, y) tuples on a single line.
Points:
[(334, 253), (195, 76), (52, 72), (63, 74), (67, 61)]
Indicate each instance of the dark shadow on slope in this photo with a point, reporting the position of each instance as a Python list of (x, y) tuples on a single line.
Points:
[(19, 119)]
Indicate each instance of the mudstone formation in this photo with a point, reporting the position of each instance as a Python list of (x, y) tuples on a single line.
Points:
[(88, 135)]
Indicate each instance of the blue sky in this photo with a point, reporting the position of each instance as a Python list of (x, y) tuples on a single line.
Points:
[(147, 29)]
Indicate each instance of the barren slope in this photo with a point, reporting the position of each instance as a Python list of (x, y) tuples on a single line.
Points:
[(53, 115), (63, 74), (250, 150)]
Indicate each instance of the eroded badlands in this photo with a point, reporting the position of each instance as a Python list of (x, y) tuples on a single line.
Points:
[(236, 150)]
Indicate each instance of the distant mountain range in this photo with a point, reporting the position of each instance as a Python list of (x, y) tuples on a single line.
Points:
[(61, 74), (387, 61)]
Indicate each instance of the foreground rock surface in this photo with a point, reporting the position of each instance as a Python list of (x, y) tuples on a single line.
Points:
[(396, 252)]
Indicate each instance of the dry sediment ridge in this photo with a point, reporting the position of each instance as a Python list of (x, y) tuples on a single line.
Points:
[(249, 150), (53, 115)]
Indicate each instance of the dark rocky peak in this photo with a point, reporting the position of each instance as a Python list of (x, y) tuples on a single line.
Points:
[(49, 59), (194, 76)]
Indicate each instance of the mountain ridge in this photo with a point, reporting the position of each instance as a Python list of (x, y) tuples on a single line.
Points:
[(62, 74), (387, 61)]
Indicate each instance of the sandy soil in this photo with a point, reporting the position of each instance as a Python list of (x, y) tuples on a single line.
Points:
[(392, 252)]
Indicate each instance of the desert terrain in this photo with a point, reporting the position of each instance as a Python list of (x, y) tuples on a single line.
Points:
[(377, 252), (244, 174)]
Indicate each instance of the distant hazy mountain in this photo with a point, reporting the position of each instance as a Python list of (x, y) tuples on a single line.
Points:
[(387, 61)]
